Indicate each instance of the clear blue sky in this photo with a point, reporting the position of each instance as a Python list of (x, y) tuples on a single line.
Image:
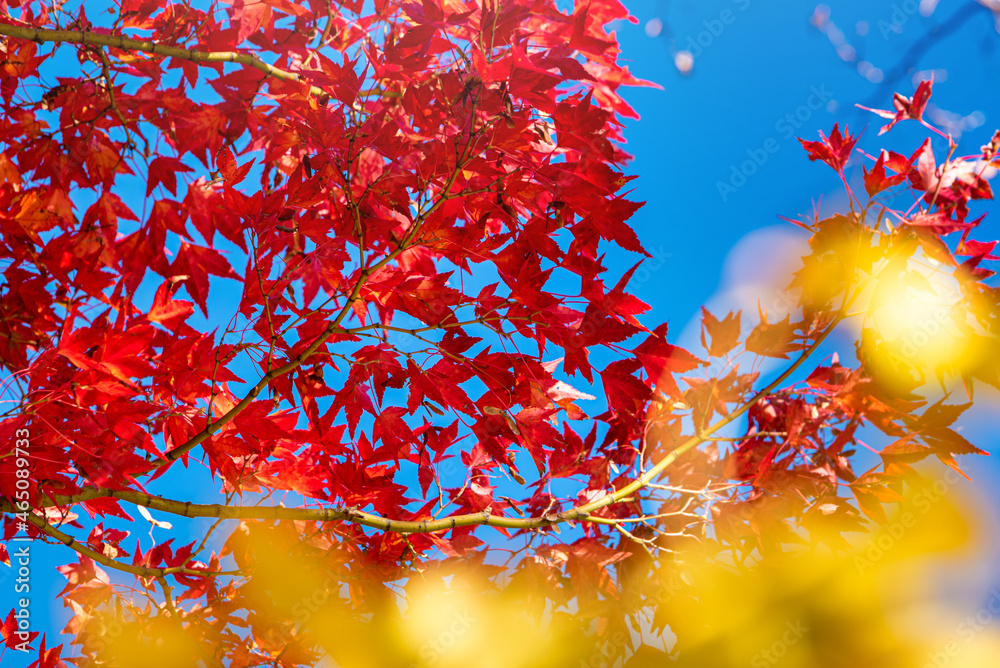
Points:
[(762, 74)]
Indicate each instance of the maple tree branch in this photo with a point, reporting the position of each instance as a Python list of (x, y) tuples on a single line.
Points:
[(445, 325), (740, 438), (335, 514), (265, 295), (353, 515), (700, 438), (324, 37), (113, 103), (167, 595), (291, 365), (40, 35), (643, 542), (908, 61), (104, 560), (273, 373)]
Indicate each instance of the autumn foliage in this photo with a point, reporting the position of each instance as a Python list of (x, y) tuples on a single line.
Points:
[(340, 264)]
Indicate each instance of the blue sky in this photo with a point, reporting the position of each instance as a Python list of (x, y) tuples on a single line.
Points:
[(762, 74)]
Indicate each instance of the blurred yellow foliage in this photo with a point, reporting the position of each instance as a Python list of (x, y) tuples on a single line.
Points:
[(808, 605), (877, 605)]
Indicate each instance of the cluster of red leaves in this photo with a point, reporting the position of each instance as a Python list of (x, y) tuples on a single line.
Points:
[(380, 325)]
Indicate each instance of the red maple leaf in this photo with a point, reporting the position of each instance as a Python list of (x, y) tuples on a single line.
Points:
[(876, 179), (906, 107), (834, 151)]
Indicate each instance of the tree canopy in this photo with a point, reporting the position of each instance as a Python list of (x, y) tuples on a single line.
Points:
[(332, 276)]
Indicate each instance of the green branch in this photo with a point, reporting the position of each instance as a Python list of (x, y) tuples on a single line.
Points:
[(41, 35), (486, 518), (143, 571)]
